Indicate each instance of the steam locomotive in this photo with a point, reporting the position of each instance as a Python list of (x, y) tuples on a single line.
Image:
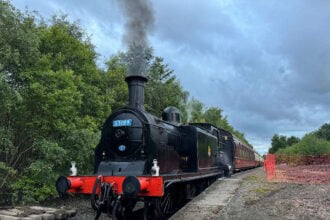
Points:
[(160, 162)]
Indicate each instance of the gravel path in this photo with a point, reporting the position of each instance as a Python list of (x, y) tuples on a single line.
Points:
[(258, 199)]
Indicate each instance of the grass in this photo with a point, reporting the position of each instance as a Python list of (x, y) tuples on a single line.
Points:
[(253, 178), (260, 188), (263, 190)]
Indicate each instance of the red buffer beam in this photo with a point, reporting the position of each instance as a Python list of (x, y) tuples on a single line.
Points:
[(145, 185)]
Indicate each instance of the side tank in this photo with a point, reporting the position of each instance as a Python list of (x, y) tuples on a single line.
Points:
[(200, 150)]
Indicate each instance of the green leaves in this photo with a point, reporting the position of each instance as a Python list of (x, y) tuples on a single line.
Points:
[(324, 132), (163, 89), (53, 99), (313, 143), (18, 41), (196, 110), (80, 146), (212, 115), (281, 141), (114, 83), (310, 144)]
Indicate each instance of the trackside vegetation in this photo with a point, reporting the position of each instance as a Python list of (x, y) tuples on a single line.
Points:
[(314, 143), (54, 99)]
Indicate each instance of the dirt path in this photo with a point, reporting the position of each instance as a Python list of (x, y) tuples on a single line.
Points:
[(258, 199)]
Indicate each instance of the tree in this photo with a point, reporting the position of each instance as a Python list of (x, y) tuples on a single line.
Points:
[(19, 42), (281, 141), (292, 140), (324, 132), (18, 52), (196, 111), (64, 46), (310, 144), (53, 100), (314, 143), (9, 100), (278, 142), (214, 116), (115, 75), (163, 89)]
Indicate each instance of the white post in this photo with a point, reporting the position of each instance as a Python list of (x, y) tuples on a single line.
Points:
[(155, 168), (73, 169)]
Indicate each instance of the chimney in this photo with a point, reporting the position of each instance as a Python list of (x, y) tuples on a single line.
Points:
[(136, 90)]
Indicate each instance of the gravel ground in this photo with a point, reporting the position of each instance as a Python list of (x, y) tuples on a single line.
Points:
[(80, 203), (258, 199)]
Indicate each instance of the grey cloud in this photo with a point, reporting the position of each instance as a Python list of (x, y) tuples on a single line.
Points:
[(193, 25), (281, 75)]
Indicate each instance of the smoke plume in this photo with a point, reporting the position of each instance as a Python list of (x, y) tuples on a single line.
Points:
[(139, 21)]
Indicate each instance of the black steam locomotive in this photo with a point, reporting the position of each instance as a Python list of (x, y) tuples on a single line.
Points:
[(132, 138), (157, 161)]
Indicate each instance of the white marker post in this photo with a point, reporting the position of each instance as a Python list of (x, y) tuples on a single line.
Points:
[(73, 169)]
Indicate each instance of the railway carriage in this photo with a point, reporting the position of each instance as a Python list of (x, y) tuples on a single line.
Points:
[(244, 156), (259, 159)]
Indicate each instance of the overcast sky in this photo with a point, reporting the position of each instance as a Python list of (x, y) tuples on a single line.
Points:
[(265, 63)]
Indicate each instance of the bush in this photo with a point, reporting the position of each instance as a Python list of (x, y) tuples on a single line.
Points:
[(324, 132), (310, 144), (37, 182), (30, 190)]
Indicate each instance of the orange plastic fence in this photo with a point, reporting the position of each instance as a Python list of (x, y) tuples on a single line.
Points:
[(298, 168)]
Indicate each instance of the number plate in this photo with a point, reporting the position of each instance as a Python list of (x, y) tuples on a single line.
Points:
[(122, 123)]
